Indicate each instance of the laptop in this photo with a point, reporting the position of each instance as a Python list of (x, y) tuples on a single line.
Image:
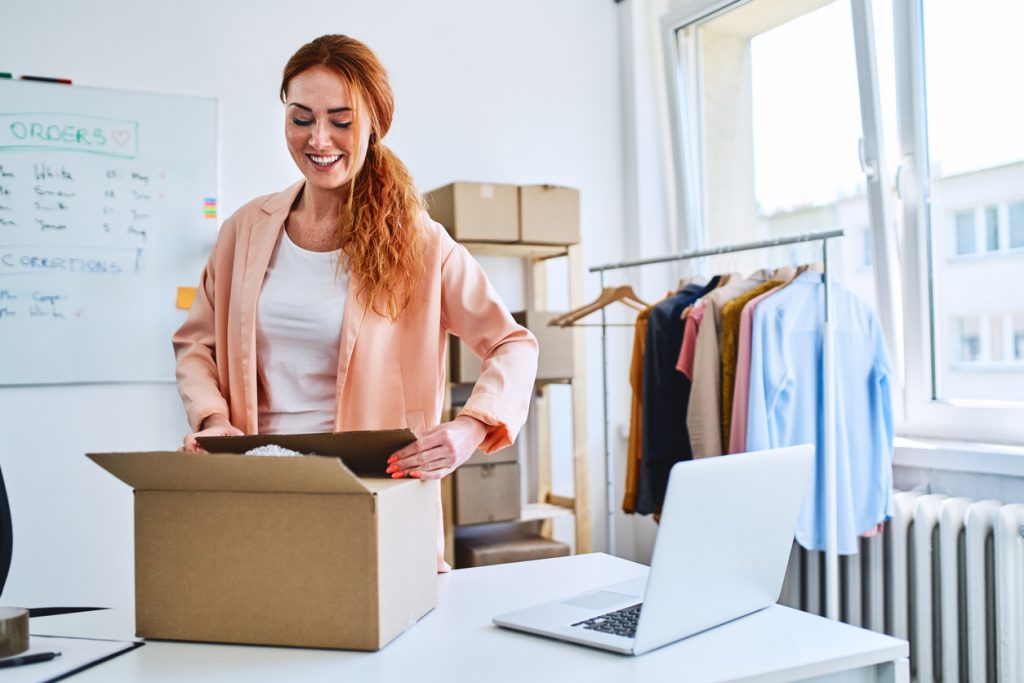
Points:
[(727, 527)]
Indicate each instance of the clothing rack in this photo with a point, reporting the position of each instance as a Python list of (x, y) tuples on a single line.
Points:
[(831, 529)]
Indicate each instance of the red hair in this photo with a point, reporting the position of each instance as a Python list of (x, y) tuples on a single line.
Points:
[(384, 207)]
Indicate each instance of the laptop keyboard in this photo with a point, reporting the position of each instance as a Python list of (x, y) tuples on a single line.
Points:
[(618, 623)]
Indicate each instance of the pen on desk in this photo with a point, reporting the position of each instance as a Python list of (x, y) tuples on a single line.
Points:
[(47, 79), (28, 659)]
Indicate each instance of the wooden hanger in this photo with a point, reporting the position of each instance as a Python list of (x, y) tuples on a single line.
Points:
[(816, 266), (784, 273), (609, 295)]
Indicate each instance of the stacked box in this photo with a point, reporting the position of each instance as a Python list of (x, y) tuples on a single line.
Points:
[(476, 212), (486, 489), (499, 547), (549, 214), (556, 350)]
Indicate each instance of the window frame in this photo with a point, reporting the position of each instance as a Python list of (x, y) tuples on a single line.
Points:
[(928, 415)]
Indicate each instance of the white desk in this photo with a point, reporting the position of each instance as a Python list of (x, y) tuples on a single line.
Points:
[(457, 642)]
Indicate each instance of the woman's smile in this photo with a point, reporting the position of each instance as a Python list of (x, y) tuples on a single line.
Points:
[(324, 162)]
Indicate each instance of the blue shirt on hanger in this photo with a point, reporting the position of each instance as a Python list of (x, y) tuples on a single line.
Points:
[(786, 402)]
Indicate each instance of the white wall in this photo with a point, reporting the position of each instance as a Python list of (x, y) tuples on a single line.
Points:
[(504, 90)]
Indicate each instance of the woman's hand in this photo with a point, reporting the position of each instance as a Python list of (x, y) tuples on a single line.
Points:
[(215, 425), (439, 450)]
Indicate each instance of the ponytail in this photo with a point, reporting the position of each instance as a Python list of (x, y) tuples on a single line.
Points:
[(384, 245)]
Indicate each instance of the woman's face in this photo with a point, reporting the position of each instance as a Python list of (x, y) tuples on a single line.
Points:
[(321, 129)]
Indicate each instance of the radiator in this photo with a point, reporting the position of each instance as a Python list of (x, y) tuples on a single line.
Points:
[(947, 574)]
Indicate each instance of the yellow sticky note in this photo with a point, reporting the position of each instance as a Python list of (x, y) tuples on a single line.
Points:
[(186, 295)]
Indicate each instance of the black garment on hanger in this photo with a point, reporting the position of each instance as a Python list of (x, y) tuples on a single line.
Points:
[(666, 393)]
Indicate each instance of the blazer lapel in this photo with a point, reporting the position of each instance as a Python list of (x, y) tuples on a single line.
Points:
[(262, 239)]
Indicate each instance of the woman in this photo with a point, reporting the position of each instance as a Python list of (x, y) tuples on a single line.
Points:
[(325, 307)]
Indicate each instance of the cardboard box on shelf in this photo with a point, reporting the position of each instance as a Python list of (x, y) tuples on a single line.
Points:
[(480, 547), (281, 550), (549, 214), (476, 212), (556, 350), (463, 365), (509, 454), (486, 493)]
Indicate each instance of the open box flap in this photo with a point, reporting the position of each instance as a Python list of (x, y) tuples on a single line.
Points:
[(365, 453), (174, 471)]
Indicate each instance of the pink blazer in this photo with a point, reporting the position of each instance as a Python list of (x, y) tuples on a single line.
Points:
[(390, 374)]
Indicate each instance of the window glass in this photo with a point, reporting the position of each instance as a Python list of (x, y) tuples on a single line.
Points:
[(1018, 336), (965, 232), (1016, 215), (970, 340), (992, 228), (976, 167)]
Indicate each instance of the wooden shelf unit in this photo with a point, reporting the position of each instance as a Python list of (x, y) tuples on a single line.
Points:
[(549, 505)]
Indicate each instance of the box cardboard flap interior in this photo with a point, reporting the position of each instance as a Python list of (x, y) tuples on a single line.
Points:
[(365, 453), (173, 471)]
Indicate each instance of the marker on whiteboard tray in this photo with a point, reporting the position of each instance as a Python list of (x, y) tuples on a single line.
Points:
[(5, 74), (47, 79)]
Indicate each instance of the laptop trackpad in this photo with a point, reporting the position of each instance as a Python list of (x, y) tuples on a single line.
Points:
[(598, 600)]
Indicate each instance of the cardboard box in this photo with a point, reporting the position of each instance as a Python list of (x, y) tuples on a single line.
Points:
[(556, 344), (549, 214), (476, 212), (556, 350), (478, 549), (281, 550), (463, 365), (509, 454), (486, 493)]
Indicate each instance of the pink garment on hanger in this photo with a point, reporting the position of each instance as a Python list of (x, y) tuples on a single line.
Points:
[(689, 347), (741, 392)]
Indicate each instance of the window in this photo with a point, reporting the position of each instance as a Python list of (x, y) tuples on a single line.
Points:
[(1016, 214), (777, 134), (767, 137), (1018, 336), (992, 228), (965, 232), (960, 135), (970, 340)]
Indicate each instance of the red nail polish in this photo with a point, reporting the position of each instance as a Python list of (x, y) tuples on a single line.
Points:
[(416, 474)]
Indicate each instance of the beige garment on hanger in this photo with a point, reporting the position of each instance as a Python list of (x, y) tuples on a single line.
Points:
[(703, 414)]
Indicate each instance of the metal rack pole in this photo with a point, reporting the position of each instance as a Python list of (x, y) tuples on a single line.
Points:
[(728, 249), (609, 486), (829, 456)]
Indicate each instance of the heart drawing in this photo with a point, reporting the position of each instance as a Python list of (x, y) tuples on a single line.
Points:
[(121, 136)]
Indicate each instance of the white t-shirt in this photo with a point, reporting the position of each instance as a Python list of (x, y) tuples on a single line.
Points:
[(298, 336)]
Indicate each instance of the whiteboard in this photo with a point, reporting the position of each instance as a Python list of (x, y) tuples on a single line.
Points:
[(107, 206)]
